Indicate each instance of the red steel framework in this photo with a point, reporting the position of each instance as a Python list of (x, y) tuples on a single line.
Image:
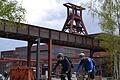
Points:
[(74, 22)]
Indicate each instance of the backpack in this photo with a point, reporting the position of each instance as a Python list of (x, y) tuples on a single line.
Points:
[(69, 60), (89, 64)]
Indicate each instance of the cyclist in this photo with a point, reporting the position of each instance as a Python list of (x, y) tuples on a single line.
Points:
[(88, 65), (66, 66)]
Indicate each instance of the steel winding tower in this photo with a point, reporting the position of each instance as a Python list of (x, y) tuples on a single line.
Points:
[(74, 23)]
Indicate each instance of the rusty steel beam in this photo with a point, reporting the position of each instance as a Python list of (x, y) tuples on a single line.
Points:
[(70, 5), (37, 60), (91, 53), (29, 53), (49, 59), (74, 23), (28, 32)]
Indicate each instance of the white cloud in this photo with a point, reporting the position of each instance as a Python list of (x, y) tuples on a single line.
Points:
[(37, 9), (52, 13)]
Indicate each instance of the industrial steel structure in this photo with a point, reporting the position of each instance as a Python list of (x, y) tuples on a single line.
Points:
[(74, 22), (36, 35)]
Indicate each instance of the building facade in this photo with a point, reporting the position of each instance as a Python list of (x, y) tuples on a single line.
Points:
[(20, 54)]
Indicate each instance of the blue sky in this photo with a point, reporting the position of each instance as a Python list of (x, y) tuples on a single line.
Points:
[(50, 14)]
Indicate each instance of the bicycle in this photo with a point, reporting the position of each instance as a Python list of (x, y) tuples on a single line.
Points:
[(84, 77), (62, 76)]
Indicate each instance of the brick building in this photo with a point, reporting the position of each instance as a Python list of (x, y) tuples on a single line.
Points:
[(20, 54)]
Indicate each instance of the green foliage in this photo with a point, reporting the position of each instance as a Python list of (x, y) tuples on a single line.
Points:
[(107, 23), (108, 12), (10, 10), (110, 42), (109, 18)]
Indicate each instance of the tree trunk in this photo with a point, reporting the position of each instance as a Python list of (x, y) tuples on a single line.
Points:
[(118, 65), (116, 68)]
